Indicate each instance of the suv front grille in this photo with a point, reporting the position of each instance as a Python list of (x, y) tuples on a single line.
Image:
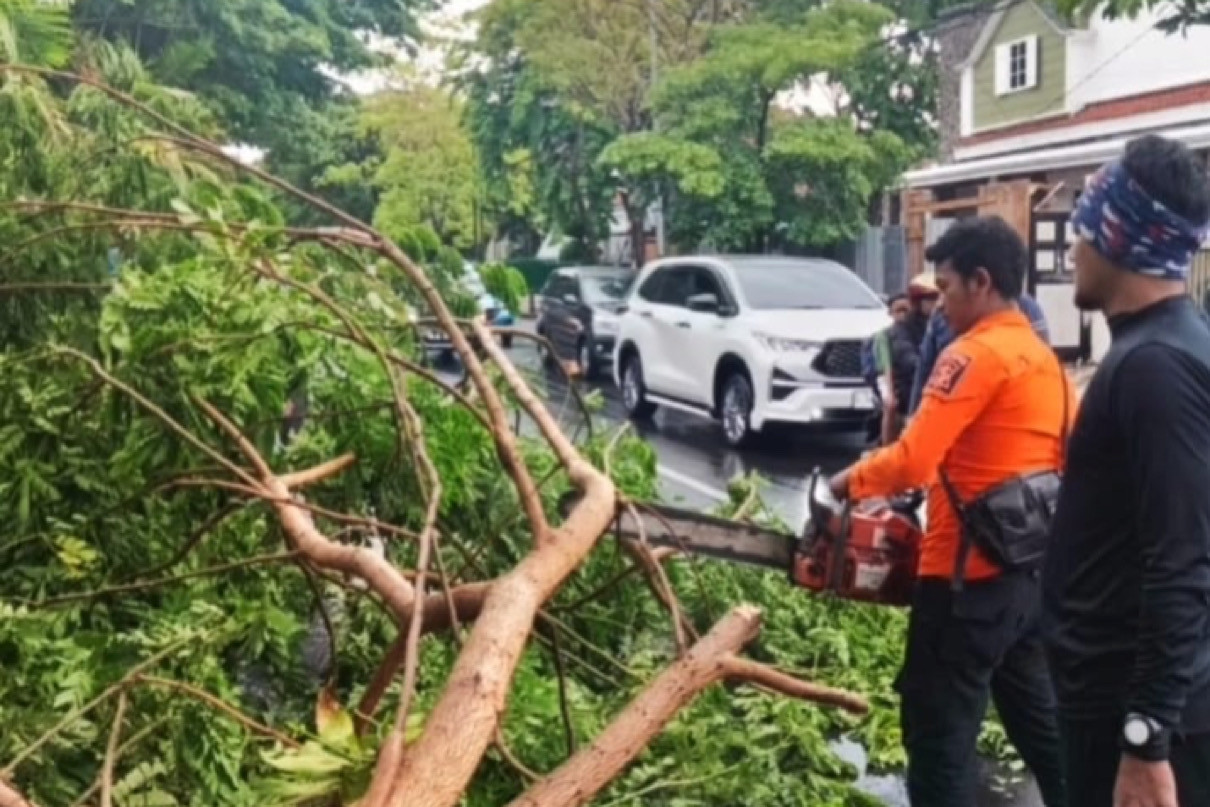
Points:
[(839, 359)]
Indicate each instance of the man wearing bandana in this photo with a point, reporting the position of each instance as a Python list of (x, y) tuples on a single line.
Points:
[(1127, 578)]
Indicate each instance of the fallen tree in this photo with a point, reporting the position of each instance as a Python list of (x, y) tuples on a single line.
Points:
[(152, 398)]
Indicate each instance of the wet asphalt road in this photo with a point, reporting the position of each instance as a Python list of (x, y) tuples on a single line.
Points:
[(695, 469), (695, 465)]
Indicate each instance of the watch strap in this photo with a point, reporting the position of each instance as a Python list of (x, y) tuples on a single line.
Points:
[(1157, 746)]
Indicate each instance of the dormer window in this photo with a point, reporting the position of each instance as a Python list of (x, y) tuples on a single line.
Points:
[(1017, 65)]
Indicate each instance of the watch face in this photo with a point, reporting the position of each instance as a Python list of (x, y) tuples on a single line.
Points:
[(1137, 732)]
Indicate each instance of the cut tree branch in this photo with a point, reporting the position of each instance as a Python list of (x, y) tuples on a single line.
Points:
[(377, 571), (744, 671), (710, 661), (320, 473), (579, 779)]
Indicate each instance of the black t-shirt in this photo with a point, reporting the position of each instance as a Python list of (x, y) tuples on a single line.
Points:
[(1127, 577)]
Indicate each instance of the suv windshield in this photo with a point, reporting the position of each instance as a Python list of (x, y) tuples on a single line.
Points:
[(779, 283), (604, 289)]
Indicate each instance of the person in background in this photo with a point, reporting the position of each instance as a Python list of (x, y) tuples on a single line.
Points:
[(939, 335), (1127, 579), (995, 413), (898, 307), (897, 353)]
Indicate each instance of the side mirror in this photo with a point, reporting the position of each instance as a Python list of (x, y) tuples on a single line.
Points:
[(704, 303)]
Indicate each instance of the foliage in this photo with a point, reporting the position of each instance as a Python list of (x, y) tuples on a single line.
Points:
[(35, 32), (1178, 16), (506, 284), (823, 176), (99, 495), (427, 174), (727, 99), (682, 106), (653, 166), (261, 63), (330, 153)]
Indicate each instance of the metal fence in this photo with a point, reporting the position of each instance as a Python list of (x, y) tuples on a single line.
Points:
[(879, 257)]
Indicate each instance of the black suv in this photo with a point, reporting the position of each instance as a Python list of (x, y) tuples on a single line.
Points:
[(578, 312)]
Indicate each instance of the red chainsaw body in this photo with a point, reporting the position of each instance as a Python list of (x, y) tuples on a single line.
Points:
[(868, 554)]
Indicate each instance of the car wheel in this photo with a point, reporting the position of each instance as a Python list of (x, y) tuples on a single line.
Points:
[(736, 410), (586, 360), (634, 392)]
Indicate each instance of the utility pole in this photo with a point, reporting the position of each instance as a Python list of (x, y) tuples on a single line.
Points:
[(654, 37)]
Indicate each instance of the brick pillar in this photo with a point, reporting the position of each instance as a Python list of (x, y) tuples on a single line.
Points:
[(915, 203)]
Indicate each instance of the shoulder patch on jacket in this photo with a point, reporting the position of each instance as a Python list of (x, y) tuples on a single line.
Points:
[(948, 373)]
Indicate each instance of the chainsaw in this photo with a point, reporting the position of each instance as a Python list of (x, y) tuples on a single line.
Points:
[(866, 552)]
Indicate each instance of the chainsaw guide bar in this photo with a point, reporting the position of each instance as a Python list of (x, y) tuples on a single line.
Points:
[(699, 534)]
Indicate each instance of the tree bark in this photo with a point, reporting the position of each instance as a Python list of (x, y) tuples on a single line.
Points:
[(437, 770), (710, 661), (468, 601), (11, 798), (579, 779)]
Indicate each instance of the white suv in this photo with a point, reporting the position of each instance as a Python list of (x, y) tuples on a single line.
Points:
[(748, 341)]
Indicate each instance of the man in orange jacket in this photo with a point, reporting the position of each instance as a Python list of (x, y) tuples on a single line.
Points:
[(997, 407)]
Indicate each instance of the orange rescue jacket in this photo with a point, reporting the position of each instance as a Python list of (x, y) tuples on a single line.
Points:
[(992, 409)]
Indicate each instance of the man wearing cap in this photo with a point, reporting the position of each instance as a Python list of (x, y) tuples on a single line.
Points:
[(1127, 579), (897, 352)]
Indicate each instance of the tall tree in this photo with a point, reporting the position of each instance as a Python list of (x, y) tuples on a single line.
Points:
[(260, 63), (564, 78), (789, 177), (428, 174)]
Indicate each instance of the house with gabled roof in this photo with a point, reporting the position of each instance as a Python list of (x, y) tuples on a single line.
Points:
[(1031, 103)]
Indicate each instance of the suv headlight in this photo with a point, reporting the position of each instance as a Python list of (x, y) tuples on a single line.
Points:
[(779, 344), (605, 324)]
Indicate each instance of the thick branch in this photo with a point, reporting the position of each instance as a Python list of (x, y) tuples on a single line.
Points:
[(467, 599), (579, 779), (9, 797), (312, 476), (377, 571), (436, 770)]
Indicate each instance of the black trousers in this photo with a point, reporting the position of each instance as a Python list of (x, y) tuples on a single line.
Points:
[(1091, 754), (964, 649)]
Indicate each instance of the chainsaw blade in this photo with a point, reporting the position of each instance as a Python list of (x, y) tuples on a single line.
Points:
[(701, 534)]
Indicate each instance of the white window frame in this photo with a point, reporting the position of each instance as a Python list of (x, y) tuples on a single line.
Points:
[(1004, 65)]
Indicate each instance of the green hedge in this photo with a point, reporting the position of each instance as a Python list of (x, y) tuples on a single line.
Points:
[(535, 270)]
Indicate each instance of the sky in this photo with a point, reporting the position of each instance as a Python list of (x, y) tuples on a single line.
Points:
[(442, 26)]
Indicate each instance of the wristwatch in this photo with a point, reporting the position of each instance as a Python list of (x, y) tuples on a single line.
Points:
[(1145, 738)]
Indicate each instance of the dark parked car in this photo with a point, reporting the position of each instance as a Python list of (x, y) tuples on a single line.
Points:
[(578, 312)]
